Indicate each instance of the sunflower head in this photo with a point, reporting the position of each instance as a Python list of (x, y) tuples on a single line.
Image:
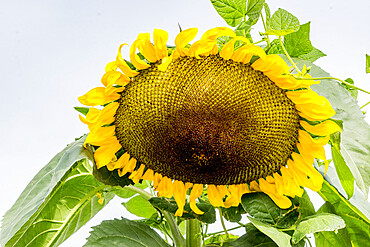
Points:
[(231, 119)]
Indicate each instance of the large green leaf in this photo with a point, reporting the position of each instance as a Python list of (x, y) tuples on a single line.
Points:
[(283, 23), (252, 238), (357, 224), (254, 8), (298, 43), (338, 238), (313, 55), (41, 195), (344, 173), (232, 11), (261, 207), (124, 233), (355, 144), (280, 238), (317, 223)]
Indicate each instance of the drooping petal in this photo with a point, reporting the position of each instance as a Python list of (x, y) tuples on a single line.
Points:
[(271, 191), (135, 59), (183, 39), (196, 192), (121, 63), (322, 129), (228, 49), (160, 39), (214, 196), (104, 154), (246, 52), (179, 194)]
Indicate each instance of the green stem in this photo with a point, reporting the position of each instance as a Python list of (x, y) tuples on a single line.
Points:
[(365, 105), (286, 53), (263, 40), (264, 26), (193, 233), (223, 223), (178, 239), (214, 233), (333, 78), (309, 242)]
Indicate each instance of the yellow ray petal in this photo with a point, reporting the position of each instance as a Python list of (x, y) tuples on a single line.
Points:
[(228, 49), (216, 32), (271, 65), (160, 39), (322, 129), (101, 136), (146, 48), (129, 167), (271, 191), (121, 63), (246, 52), (196, 192), (104, 154), (317, 111), (179, 194), (183, 39), (112, 66), (166, 61), (122, 161), (135, 59), (95, 96), (136, 175), (214, 196), (149, 175)]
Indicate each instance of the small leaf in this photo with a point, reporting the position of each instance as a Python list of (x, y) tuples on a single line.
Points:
[(353, 91), (233, 214), (313, 55), (254, 8), (280, 238), (252, 237), (283, 23), (122, 233), (268, 15), (317, 223), (82, 110), (298, 43), (139, 206), (367, 63), (232, 11), (344, 173)]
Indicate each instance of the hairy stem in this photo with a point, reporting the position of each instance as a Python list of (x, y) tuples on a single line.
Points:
[(193, 233), (223, 223), (286, 53)]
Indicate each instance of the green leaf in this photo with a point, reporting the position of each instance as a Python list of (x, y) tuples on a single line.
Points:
[(367, 63), (123, 233), (233, 214), (305, 207), (169, 205), (313, 55), (261, 207), (344, 173), (275, 47), (298, 43), (82, 110), (283, 23), (39, 195), (317, 223), (353, 91), (357, 225), (139, 206), (355, 145), (232, 11), (280, 238), (268, 15), (244, 28), (252, 237), (338, 238), (60, 199), (219, 239), (254, 8)]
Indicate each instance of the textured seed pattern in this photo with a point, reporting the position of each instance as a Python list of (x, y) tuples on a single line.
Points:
[(208, 121)]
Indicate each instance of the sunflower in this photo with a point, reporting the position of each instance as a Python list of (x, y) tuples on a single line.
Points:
[(230, 119)]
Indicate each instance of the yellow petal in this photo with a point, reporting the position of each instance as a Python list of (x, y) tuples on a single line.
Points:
[(160, 39), (254, 186), (129, 167), (317, 111), (216, 32), (112, 66), (104, 154), (166, 61), (228, 49), (322, 129), (214, 196), (121, 63), (135, 59), (183, 39), (122, 161), (246, 52), (271, 191), (291, 185), (202, 47), (179, 194), (101, 136), (196, 192), (110, 77), (271, 65), (149, 175), (95, 96), (146, 48), (136, 175)]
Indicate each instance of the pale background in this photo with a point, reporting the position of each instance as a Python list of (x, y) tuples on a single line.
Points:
[(51, 52)]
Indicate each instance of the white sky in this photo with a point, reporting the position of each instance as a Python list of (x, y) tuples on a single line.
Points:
[(51, 52)]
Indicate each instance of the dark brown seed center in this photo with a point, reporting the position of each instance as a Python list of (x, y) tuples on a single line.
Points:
[(208, 121)]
